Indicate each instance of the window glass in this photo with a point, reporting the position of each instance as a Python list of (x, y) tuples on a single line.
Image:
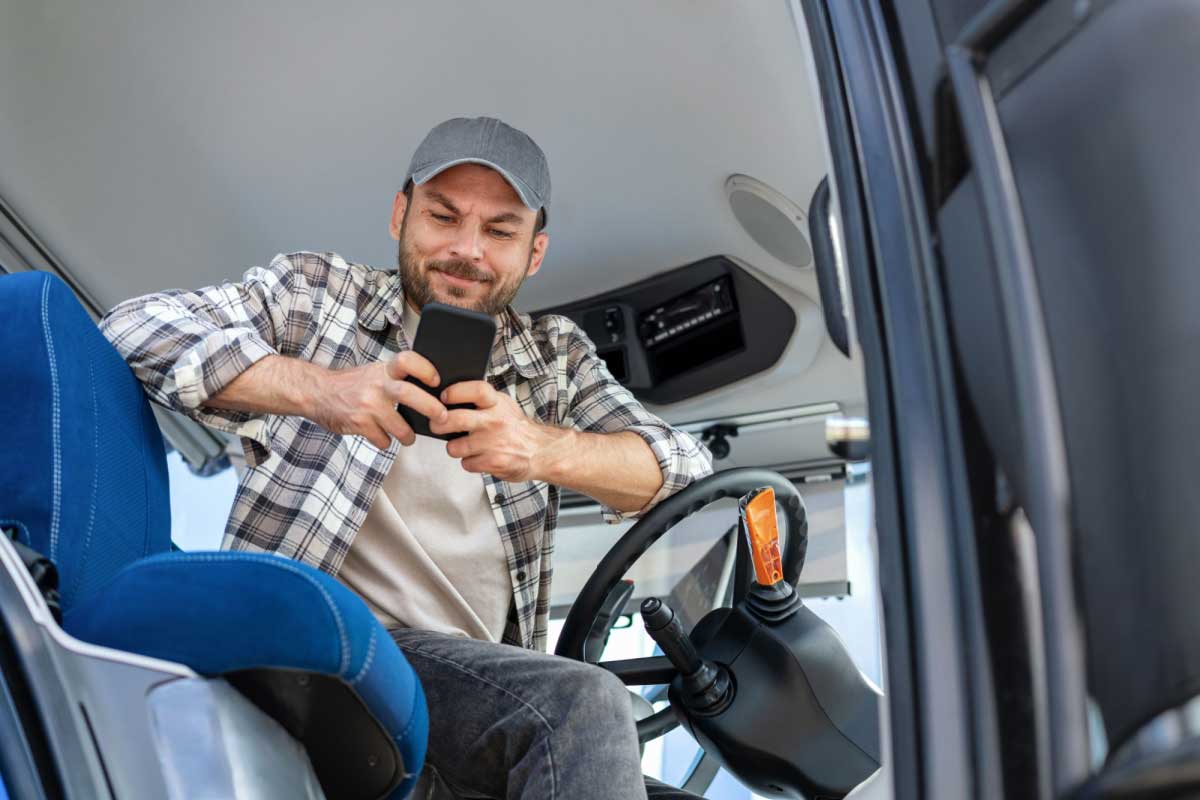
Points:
[(199, 506)]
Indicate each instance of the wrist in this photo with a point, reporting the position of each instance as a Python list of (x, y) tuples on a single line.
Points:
[(305, 393), (552, 459)]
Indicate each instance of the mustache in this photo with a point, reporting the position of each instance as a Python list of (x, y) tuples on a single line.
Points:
[(461, 269)]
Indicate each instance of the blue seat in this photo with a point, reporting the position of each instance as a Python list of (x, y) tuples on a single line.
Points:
[(85, 477)]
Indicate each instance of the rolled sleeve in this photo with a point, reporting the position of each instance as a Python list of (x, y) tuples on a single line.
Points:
[(206, 369), (681, 458), (185, 347)]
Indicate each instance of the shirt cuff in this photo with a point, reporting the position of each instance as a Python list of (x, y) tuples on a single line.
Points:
[(681, 459), (204, 371)]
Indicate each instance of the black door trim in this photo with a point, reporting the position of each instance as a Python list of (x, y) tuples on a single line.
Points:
[(1043, 449), (943, 726)]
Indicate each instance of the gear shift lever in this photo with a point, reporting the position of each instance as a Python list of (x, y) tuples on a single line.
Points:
[(771, 598), (706, 686)]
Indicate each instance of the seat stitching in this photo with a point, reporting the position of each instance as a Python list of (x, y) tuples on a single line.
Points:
[(413, 717), (273, 561), (87, 538), (362, 672), (55, 434), (403, 735)]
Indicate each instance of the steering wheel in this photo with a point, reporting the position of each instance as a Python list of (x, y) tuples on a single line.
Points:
[(629, 548)]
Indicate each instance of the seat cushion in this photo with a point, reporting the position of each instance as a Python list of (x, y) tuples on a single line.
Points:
[(223, 612)]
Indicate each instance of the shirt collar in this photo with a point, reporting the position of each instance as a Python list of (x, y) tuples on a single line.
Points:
[(381, 303)]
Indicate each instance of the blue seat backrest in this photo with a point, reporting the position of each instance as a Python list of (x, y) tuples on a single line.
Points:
[(82, 463)]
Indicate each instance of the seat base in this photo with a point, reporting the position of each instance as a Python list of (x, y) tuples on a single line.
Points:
[(310, 646), (349, 749), (210, 741)]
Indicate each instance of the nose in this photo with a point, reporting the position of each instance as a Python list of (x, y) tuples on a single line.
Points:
[(468, 242)]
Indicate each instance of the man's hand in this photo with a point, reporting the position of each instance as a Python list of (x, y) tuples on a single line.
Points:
[(501, 440), (362, 400), (619, 469)]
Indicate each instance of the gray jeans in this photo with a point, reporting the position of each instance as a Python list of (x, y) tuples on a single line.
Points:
[(513, 724)]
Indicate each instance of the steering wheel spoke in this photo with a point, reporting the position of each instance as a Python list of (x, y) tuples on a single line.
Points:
[(657, 724), (647, 671)]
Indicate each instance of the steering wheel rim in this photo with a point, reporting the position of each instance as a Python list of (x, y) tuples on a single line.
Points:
[(637, 540)]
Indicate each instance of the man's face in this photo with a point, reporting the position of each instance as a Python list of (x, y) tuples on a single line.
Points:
[(466, 239)]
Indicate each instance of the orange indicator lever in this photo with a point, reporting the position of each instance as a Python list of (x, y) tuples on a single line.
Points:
[(762, 528)]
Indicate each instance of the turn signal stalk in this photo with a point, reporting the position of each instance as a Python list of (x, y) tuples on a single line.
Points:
[(707, 689)]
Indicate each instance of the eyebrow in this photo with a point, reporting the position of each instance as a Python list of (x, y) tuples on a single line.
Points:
[(438, 197), (507, 216)]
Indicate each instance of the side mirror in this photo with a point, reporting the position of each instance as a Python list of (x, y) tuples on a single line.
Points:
[(825, 258)]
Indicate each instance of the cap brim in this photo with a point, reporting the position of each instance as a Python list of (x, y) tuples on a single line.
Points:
[(523, 191)]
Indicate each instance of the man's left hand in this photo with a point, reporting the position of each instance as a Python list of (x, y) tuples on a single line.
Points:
[(501, 440)]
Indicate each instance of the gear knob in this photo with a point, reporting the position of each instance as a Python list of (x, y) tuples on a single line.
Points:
[(762, 530), (771, 598)]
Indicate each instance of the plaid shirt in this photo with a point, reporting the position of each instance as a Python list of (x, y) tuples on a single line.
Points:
[(306, 490)]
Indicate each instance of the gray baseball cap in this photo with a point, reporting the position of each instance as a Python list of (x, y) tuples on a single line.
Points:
[(487, 141)]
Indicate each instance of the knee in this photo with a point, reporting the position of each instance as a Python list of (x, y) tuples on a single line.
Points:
[(599, 696)]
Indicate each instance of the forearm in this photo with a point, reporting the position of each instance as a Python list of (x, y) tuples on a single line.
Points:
[(352, 401), (617, 469), (274, 385)]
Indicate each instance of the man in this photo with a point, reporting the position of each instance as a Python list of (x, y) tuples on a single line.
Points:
[(449, 543)]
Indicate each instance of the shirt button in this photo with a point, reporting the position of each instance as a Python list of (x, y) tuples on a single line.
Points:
[(499, 497), (521, 575)]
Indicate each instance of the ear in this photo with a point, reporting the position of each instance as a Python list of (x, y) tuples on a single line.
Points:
[(399, 206), (540, 242)]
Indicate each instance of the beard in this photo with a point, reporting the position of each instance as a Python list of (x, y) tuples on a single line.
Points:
[(419, 291)]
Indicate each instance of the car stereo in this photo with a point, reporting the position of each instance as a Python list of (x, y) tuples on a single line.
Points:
[(677, 317)]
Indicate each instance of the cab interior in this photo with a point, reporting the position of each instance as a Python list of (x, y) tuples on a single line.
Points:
[(691, 233)]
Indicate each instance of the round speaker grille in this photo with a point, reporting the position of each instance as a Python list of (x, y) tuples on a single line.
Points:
[(771, 219)]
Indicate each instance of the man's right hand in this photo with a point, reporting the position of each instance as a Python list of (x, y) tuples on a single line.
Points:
[(362, 401)]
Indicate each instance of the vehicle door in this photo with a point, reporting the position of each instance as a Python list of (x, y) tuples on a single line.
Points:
[(1018, 184)]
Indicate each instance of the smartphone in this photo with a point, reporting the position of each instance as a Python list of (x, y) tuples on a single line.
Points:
[(458, 343)]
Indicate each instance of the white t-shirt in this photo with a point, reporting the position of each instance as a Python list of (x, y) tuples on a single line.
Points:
[(429, 553)]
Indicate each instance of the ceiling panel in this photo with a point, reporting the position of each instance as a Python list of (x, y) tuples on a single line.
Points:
[(175, 143)]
